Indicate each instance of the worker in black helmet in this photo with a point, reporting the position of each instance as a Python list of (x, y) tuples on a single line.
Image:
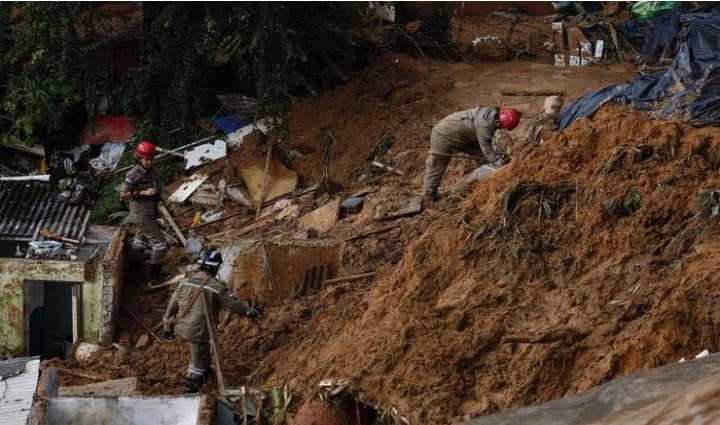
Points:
[(185, 314)]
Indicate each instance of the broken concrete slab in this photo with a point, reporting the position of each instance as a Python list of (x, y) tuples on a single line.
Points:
[(321, 219), (186, 189)]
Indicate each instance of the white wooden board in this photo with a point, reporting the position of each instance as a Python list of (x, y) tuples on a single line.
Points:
[(186, 189)]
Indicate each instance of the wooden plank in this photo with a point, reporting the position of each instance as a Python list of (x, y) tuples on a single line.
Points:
[(75, 312), (541, 93), (372, 232), (265, 180), (164, 211), (143, 325), (186, 189), (351, 278), (214, 346)]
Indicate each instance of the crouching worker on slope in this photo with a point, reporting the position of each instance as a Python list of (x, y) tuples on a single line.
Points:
[(185, 314), (470, 131)]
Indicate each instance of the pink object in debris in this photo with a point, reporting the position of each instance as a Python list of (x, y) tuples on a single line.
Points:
[(281, 204)]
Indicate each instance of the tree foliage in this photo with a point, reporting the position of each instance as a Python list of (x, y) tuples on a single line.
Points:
[(51, 75), (47, 76)]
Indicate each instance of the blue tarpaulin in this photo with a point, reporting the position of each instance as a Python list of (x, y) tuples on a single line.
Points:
[(230, 123), (689, 90)]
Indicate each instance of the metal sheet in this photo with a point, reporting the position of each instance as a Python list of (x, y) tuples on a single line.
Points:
[(17, 393), (122, 410), (204, 154), (25, 204)]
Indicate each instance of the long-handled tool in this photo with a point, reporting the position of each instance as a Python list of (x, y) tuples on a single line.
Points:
[(461, 156), (214, 346), (58, 237)]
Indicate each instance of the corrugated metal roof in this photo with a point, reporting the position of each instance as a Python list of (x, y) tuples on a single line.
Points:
[(25, 205), (12, 367), (17, 392)]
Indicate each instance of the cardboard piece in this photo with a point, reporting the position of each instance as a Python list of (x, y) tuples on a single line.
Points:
[(580, 50), (321, 219), (573, 47), (186, 189), (279, 182)]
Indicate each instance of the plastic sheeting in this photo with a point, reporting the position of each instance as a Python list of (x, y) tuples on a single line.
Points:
[(114, 129), (689, 90)]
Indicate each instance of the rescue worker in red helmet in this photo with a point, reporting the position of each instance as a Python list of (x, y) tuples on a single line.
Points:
[(470, 131), (139, 188)]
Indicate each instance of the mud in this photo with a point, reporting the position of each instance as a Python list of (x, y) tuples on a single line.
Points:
[(588, 257)]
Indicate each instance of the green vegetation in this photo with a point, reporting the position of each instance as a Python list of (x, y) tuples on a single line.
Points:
[(56, 69)]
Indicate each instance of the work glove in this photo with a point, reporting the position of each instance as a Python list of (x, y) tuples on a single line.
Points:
[(253, 312), (501, 158), (168, 334)]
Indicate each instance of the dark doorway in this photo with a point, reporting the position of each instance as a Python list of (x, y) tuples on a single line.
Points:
[(51, 318)]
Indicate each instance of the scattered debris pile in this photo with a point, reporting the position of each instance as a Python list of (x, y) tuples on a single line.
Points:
[(588, 257)]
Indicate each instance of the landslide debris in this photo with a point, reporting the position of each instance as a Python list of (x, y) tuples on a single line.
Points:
[(590, 256)]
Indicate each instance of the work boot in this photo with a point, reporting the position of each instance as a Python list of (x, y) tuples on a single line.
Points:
[(430, 196), (192, 385)]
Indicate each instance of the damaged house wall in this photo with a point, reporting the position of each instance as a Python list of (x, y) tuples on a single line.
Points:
[(272, 271), (98, 283)]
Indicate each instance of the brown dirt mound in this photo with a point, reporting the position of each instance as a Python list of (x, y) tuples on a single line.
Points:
[(583, 260), (572, 265)]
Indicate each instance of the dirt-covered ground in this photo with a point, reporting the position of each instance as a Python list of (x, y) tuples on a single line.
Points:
[(589, 256)]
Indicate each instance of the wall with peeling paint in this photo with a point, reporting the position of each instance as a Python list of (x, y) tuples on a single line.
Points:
[(96, 278)]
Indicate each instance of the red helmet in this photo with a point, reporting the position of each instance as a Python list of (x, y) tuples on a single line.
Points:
[(145, 150), (509, 118)]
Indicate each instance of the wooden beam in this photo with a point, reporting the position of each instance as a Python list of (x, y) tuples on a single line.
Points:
[(144, 326), (350, 278), (371, 232), (534, 93), (167, 154), (265, 180), (214, 346), (164, 211)]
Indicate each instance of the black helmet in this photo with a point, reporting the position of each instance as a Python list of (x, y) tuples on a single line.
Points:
[(210, 260)]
